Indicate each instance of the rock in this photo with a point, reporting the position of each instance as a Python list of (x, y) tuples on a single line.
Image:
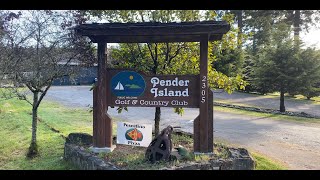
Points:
[(79, 138), (241, 159), (85, 160)]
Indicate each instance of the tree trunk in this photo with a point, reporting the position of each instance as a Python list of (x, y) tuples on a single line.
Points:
[(296, 25), (157, 116), (282, 107), (254, 44), (240, 25), (33, 149)]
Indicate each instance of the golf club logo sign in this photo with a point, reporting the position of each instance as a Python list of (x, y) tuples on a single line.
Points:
[(130, 88), (127, 84)]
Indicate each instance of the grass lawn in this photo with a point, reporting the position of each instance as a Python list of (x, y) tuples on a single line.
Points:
[(264, 163), (268, 115), (298, 98), (15, 133)]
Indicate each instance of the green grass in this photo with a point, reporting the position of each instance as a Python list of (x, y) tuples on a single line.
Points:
[(267, 115), (15, 133), (264, 163), (299, 97), (275, 96), (314, 100)]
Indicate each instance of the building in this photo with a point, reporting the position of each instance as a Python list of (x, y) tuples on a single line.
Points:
[(85, 75)]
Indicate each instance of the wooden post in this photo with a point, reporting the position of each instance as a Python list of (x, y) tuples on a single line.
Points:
[(102, 131), (204, 94), (196, 134), (95, 126), (210, 121)]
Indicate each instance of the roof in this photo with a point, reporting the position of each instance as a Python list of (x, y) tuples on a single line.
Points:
[(153, 31)]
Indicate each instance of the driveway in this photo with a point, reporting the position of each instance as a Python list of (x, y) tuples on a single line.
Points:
[(296, 145)]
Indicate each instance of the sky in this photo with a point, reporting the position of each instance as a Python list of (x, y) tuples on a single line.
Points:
[(312, 38)]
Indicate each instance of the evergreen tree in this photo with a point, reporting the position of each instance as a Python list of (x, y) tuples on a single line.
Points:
[(309, 81), (278, 67)]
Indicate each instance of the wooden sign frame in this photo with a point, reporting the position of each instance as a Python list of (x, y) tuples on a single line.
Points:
[(153, 32)]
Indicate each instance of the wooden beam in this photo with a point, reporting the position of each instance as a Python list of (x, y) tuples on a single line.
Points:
[(152, 39), (153, 31), (153, 28), (103, 130), (204, 94)]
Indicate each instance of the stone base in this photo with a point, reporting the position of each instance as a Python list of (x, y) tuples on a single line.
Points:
[(104, 149), (85, 160), (76, 152)]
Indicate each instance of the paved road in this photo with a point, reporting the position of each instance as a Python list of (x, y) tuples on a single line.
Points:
[(294, 144), (267, 102)]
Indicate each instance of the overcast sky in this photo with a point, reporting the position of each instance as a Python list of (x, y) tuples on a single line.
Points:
[(312, 38)]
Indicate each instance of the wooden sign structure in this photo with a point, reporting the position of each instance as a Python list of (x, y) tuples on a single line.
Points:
[(154, 32)]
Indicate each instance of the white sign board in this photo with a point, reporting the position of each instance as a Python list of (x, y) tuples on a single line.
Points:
[(134, 134)]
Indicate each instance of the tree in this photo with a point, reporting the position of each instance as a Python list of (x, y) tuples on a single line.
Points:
[(230, 59), (256, 26), (5, 18), (169, 58), (309, 80), (278, 65), (39, 49)]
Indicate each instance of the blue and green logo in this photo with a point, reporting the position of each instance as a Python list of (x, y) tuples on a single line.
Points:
[(127, 83)]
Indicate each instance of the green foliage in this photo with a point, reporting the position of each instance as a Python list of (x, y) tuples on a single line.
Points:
[(179, 110), (284, 65), (277, 65), (229, 62), (309, 80), (259, 25), (120, 108)]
